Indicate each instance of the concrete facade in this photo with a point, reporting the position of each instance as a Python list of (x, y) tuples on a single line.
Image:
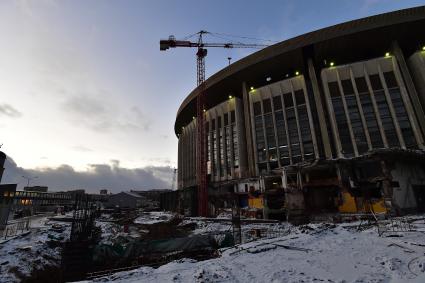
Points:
[(299, 120)]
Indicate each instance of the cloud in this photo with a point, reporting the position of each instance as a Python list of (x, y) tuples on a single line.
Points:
[(9, 111), (98, 176), (81, 148), (101, 116)]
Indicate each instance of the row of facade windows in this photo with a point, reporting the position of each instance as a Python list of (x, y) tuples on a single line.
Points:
[(373, 105), (222, 138), (369, 112), (282, 131)]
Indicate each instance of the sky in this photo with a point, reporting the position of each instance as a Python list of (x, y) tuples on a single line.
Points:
[(84, 87)]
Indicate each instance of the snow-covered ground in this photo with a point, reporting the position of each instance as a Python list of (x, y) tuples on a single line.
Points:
[(21, 256), (309, 253), (203, 227), (154, 217)]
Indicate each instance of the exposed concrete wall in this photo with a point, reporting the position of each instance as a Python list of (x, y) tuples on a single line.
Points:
[(410, 86), (406, 175), (417, 67), (230, 164), (294, 200), (320, 110), (187, 156), (245, 185)]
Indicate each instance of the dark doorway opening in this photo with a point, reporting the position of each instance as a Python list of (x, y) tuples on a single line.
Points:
[(321, 199), (419, 191)]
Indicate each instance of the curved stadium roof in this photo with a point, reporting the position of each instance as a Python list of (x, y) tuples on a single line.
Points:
[(346, 42)]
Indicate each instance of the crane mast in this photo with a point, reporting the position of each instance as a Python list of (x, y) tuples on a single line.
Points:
[(201, 164)]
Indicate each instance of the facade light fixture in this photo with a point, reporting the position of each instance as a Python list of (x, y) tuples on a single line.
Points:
[(268, 79), (423, 48), (387, 54), (331, 64), (297, 73), (193, 117), (205, 110), (252, 88), (230, 97)]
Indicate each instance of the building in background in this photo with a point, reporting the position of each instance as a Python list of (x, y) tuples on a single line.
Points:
[(41, 189), (329, 121), (125, 200)]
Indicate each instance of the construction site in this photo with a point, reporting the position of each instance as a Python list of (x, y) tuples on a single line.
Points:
[(302, 162), (327, 123)]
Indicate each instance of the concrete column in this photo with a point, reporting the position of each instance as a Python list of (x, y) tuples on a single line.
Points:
[(217, 154), (244, 170), (310, 120), (386, 186), (319, 109), (232, 154), (407, 100), (254, 138), (398, 53), (223, 111), (248, 133), (284, 179), (210, 145)]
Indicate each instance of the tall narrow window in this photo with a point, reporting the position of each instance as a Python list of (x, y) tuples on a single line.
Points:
[(384, 111), (292, 128), (259, 133), (282, 141), (355, 118), (304, 125), (214, 152), (221, 146), (234, 139), (400, 110), (341, 120), (227, 135), (208, 141), (369, 113)]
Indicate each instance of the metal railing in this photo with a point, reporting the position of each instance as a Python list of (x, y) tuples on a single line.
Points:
[(15, 228)]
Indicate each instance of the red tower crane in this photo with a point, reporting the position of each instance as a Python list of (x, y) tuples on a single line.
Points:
[(201, 164)]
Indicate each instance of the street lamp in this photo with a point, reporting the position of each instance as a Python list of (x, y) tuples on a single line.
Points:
[(29, 179)]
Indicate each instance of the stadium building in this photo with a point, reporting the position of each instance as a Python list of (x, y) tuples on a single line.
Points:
[(331, 121)]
